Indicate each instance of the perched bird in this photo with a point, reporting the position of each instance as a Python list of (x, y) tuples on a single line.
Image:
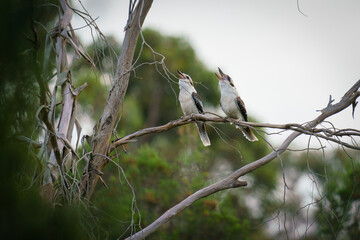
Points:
[(232, 105), (191, 103)]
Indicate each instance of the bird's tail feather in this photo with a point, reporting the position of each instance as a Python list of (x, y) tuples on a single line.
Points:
[(249, 135), (203, 134)]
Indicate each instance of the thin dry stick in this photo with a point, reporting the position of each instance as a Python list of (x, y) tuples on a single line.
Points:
[(232, 180)]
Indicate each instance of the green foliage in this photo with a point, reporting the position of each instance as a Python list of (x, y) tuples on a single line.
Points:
[(149, 84), (339, 214), (94, 95), (210, 219), (158, 185), (150, 176)]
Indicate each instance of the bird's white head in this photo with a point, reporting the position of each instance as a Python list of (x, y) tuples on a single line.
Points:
[(185, 79), (225, 80)]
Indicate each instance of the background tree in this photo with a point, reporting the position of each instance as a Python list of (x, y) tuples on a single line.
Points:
[(161, 175)]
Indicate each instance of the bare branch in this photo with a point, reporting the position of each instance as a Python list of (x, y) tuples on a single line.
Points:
[(232, 180), (218, 119), (193, 118)]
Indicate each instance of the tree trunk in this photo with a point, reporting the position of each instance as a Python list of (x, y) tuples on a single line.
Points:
[(105, 126)]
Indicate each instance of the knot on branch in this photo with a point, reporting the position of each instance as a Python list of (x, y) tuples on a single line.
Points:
[(238, 183)]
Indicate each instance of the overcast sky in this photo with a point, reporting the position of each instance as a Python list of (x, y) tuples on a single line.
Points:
[(284, 64)]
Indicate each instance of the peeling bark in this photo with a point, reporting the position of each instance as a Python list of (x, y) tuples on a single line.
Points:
[(60, 137)]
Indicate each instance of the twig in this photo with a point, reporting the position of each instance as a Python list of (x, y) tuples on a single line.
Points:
[(33, 143)]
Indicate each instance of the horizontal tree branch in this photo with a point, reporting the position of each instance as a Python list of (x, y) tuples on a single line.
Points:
[(209, 117), (230, 181), (212, 117)]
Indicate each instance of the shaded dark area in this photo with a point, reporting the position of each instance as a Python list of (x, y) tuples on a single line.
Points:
[(23, 214)]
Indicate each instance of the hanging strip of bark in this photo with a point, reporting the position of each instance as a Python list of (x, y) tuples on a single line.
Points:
[(63, 80), (63, 133)]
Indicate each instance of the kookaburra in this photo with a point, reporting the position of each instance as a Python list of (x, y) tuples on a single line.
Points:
[(191, 103), (231, 103)]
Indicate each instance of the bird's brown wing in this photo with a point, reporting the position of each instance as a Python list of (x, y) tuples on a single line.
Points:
[(198, 102), (241, 106)]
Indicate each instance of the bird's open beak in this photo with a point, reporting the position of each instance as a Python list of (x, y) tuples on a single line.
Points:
[(221, 76), (181, 75)]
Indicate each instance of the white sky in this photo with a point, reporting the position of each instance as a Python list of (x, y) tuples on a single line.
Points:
[(284, 64)]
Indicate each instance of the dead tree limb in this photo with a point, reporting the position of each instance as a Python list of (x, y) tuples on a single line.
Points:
[(210, 117), (105, 126), (232, 180)]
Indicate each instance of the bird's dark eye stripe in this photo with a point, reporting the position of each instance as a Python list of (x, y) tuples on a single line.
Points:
[(187, 77), (230, 82)]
